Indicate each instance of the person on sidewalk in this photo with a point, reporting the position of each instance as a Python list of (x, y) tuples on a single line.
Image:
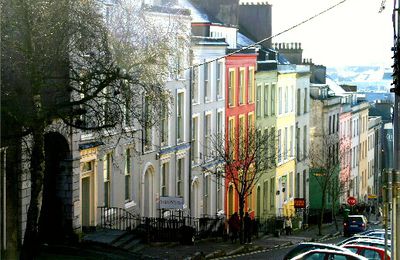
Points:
[(288, 225), (234, 226), (247, 228)]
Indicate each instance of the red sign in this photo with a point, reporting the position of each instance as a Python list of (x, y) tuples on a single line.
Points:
[(351, 201), (299, 203)]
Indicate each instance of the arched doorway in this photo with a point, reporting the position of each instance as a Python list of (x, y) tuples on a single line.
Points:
[(148, 192), (195, 199), (258, 207), (55, 223), (230, 200)]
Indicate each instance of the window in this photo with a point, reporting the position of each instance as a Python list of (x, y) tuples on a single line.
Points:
[(179, 177), (272, 193), (297, 181), (330, 123), (291, 185), (148, 131), (231, 88), (337, 122), (273, 105), (291, 154), (305, 100), (298, 149), (219, 190), (207, 136), (250, 124), (258, 101), (219, 79), (164, 179), (127, 108), (195, 141), (333, 124), (205, 194), (241, 86), (195, 89), (128, 159), (266, 103), (231, 143), (285, 144), (179, 119), (298, 102), (207, 83), (107, 179), (280, 100), (305, 134), (287, 101), (250, 86), (219, 129), (265, 195), (279, 146), (164, 125), (242, 129)]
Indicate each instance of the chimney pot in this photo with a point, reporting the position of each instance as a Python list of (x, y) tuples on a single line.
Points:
[(299, 45)]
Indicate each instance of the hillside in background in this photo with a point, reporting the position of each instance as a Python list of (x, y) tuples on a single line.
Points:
[(367, 78)]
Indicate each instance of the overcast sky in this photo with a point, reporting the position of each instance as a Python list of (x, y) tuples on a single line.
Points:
[(354, 33)]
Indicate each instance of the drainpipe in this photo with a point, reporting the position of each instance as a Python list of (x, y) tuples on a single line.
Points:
[(190, 138)]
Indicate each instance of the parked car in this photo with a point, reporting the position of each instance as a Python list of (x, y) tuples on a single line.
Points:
[(372, 230), (307, 246), (370, 252), (347, 240), (378, 234), (354, 224), (369, 242), (323, 254)]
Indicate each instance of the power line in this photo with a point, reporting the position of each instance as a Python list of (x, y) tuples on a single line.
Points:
[(270, 37)]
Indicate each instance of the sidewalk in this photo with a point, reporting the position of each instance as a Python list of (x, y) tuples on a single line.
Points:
[(211, 248)]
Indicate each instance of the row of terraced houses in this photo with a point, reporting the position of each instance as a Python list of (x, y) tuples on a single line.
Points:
[(267, 86)]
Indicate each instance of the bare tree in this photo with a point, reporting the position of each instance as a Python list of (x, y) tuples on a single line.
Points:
[(81, 64), (245, 155), (326, 158)]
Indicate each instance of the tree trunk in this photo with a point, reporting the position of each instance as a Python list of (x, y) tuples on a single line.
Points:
[(334, 214), (241, 215), (31, 239), (321, 218)]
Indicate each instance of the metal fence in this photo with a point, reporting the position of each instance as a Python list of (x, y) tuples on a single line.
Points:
[(171, 228)]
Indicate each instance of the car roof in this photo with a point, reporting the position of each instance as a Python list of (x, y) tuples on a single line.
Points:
[(329, 252), (358, 238), (370, 239), (364, 246), (366, 236)]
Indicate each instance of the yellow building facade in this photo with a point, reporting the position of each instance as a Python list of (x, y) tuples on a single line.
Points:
[(285, 134)]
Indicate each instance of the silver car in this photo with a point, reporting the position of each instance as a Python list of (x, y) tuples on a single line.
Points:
[(323, 254)]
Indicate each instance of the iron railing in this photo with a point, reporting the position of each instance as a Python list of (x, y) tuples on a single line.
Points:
[(170, 228), (117, 218)]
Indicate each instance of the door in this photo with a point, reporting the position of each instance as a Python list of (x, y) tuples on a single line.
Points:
[(86, 205)]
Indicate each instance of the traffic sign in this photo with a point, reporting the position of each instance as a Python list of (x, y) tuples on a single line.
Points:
[(351, 201), (299, 203)]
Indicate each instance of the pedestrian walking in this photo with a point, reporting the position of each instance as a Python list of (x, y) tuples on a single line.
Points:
[(234, 226), (247, 228), (288, 225)]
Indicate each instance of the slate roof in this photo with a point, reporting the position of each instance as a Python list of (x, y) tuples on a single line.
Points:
[(197, 15)]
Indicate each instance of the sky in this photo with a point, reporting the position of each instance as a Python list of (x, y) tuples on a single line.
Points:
[(354, 33)]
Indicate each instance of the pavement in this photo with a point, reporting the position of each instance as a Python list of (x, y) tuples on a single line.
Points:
[(202, 249), (215, 248)]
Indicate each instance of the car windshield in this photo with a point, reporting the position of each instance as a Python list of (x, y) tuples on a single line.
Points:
[(355, 219)]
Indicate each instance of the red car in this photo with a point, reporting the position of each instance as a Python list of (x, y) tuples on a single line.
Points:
[(369, 252)]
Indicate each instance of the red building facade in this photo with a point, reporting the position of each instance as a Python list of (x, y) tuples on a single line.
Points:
[(240, 112)]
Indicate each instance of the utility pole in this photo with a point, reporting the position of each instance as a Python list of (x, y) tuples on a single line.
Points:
[(396, 138)]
